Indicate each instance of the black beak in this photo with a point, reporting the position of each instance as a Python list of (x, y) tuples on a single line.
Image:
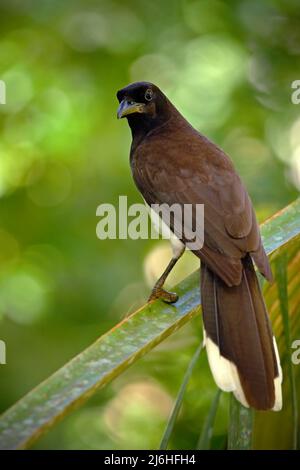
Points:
[(129, 107)]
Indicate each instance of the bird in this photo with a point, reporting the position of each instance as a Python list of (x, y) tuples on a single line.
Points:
[(173, 163)]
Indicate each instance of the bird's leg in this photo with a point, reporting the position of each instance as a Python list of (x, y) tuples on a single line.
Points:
[(158, 292)]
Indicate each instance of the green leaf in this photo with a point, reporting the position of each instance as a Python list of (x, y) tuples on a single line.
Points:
[(277, 430), (240, 426), (282, 284), (207, 431), (179, 399), (115, 351)]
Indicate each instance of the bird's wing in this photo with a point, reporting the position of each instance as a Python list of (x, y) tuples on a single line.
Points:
[(192, 170)]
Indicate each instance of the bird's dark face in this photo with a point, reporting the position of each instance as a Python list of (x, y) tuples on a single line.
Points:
[(143, 104)]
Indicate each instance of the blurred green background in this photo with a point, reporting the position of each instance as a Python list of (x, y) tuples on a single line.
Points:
[(228, 67)]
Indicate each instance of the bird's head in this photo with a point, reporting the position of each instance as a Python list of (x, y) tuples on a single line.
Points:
[(143, 104)]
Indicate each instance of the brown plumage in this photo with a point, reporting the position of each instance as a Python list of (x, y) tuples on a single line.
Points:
[(171, 163)]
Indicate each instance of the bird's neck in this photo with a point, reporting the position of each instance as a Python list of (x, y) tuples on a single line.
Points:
[(142, 124)]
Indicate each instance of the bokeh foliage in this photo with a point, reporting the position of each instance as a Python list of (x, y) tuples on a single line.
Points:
[(228, 66)]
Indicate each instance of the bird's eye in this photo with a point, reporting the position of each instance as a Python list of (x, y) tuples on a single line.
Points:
[(149, 94)]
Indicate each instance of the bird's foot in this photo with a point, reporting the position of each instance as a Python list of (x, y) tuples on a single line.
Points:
[(159, 293)]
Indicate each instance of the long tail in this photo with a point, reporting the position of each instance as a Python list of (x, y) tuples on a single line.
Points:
[(241, 348)]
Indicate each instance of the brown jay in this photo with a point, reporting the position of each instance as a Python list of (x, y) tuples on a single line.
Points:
[(171, 163)]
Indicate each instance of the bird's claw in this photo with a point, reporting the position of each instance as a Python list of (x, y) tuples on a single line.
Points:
[(159, 293)]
